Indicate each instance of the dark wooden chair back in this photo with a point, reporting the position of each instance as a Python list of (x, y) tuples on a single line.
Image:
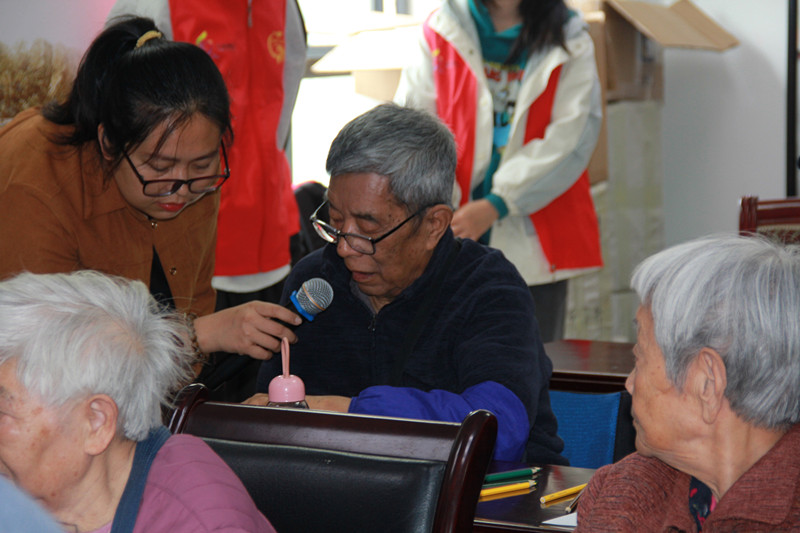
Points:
[(777, 219), (318, 471)]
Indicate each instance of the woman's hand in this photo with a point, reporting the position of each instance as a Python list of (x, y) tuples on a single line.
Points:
[(473, 219), (339, 404), (247, 329)]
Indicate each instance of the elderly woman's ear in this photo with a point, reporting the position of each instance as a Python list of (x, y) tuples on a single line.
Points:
[(101, 420), (711, 378)]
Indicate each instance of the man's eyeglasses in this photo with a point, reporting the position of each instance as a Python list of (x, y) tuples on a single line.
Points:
[(360, 243), (200, 185)]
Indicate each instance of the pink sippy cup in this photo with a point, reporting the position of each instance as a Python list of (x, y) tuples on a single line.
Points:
[(287, 390)]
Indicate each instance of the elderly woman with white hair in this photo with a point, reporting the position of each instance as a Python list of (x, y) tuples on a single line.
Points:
[(716, 395), (86, 363)]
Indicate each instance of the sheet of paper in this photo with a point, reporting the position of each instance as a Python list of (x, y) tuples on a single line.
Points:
[(568, 520)]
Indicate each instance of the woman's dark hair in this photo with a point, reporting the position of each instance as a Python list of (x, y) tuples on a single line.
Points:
[(542, 25), (131, 90)]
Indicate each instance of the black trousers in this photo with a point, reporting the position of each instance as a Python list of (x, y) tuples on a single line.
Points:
[(551, 309)]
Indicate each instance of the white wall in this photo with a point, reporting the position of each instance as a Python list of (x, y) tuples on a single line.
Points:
[(724, 120), (71, 23), (324, 105)]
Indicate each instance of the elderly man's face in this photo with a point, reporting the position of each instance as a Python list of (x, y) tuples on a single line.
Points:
[(363, 203), (40, 447), (662, 415)]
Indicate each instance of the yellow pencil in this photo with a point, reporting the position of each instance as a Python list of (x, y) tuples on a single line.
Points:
[(508, 488), (561, 494), (511, 494)]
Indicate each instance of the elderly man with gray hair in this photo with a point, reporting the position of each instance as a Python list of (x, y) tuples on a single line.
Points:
[(422, 325), (716, 395), (86, 363)]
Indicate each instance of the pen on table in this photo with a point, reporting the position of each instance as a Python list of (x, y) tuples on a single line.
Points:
[(512, 474), (511, 487), (547, 498), (574, 503)]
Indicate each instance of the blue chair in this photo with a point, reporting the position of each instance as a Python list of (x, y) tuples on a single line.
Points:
[(597, 429)]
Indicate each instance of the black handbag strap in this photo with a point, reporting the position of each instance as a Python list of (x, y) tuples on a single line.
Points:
[(128, 508), (422, 315)]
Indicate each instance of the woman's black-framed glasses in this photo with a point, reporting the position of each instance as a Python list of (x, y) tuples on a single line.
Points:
[(199, 185), (360, 243)]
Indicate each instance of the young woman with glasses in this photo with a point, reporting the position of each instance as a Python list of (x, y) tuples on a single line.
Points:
[(123, 176)]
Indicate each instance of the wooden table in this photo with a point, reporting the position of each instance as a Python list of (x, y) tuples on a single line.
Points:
[(524, 512), (589, 366)]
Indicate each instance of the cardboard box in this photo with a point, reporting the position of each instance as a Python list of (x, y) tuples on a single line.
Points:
[(374, 57), (587, 6), (629, 38), (634, 36)]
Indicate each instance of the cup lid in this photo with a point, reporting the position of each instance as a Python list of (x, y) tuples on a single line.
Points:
[(284, 389)]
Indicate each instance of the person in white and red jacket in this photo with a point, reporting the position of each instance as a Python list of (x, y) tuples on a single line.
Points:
[(517, 84)]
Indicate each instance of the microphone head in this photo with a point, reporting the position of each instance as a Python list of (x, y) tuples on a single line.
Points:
[(314, 296)]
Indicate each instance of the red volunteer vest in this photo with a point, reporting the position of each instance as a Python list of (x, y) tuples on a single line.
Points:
[(567, 227), (258, 212)]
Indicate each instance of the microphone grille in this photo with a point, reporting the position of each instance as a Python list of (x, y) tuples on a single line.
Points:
[(315, 295)]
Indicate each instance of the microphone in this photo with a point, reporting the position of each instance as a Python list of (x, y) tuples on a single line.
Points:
[(313, 297)]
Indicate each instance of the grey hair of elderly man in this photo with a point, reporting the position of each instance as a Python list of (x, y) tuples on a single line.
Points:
[(410, 147), (741, 297), (83, 333)]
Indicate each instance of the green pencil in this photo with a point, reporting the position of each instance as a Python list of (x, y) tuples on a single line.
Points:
[(512, 474)]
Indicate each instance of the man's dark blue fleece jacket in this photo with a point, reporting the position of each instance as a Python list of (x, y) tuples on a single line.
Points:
[(479, 348)]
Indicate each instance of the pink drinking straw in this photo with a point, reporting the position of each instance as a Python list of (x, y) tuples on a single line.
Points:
[(286, 388)]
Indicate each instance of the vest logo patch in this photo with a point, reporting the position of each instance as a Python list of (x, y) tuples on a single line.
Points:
[(276, 46)]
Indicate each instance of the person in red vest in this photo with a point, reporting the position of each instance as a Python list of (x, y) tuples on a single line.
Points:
[(260, 48), (516, 82)]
